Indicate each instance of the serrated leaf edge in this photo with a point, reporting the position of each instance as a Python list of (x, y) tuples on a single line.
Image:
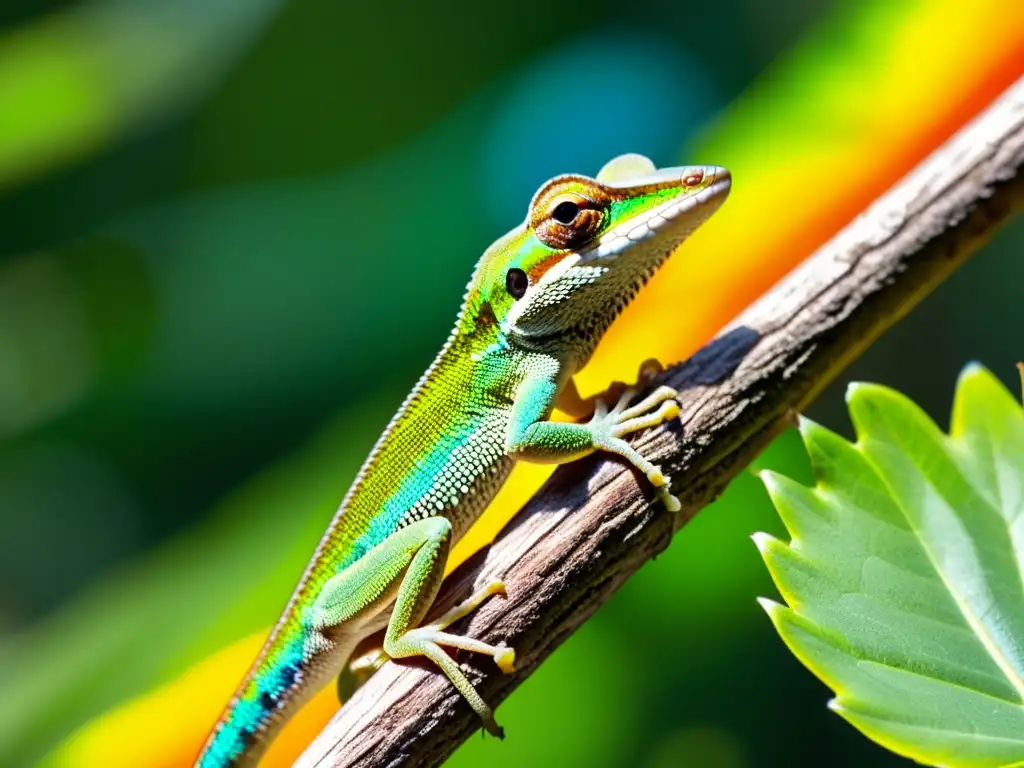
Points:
[(871, 394), (780, 614)]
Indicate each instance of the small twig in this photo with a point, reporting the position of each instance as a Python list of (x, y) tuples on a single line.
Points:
[(594, 524)]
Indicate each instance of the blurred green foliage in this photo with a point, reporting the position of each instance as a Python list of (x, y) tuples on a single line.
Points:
[(233, 238), (73, 81)]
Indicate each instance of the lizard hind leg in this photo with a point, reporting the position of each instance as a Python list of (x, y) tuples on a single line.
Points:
[(504, 656), (407, 569), (363, 665), (404, 639), (360, 668)]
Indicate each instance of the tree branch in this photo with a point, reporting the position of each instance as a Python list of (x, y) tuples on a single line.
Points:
[(594, 524)]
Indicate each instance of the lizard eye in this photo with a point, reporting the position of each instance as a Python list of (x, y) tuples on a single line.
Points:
[(516, 282), (569, 220), (565, 212)]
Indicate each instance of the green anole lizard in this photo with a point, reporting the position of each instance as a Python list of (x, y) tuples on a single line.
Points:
[(539, 300)]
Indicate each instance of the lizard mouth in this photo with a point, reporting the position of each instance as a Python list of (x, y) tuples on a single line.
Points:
[(682, 213)]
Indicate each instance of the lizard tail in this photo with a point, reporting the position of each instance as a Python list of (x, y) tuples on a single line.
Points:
[(279, 682)]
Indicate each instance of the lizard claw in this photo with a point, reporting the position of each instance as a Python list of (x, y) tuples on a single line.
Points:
[(608, 428)]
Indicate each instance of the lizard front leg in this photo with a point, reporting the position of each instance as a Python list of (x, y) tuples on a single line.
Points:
[(531, 437), (409, 566)]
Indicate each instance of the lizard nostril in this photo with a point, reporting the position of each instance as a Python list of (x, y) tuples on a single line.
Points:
[(693, 179)]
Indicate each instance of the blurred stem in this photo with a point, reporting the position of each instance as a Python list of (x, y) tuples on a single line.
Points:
[(590, 527)]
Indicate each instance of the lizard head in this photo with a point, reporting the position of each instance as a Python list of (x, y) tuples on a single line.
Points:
[(587, 247)]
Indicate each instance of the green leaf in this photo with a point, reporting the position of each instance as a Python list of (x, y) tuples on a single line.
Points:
[(905, 573)]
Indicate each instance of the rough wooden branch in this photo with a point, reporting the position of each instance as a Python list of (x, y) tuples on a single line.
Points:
[(593, 524)]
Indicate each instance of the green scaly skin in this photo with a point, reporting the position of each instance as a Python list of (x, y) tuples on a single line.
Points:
[(538, 302)]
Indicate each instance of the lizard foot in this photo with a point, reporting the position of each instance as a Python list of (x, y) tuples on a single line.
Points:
[(608, 428), (364, 666), (649, 370), (503, 656)]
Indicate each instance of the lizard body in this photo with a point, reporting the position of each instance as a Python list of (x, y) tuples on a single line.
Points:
[(539, 300)]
